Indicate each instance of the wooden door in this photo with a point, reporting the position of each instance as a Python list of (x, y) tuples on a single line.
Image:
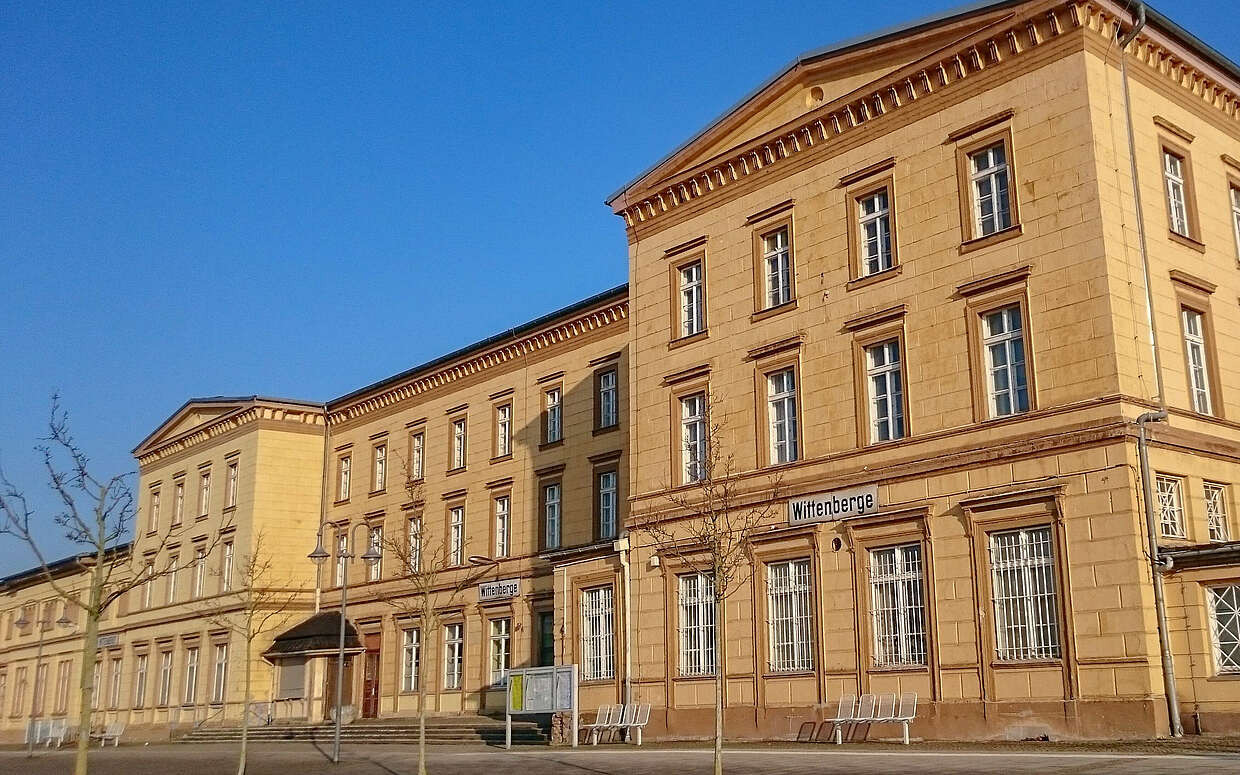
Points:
[(370, 677)]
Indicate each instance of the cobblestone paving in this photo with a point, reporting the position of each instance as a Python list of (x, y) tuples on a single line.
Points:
[(298, 759)]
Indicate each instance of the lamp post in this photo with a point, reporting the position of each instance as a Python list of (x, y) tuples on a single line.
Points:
[(22, 622)]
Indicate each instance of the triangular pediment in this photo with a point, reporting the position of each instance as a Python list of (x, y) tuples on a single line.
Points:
[(195, 413)]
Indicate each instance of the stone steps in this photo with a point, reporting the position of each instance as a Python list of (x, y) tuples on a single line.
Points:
[(439, 731)]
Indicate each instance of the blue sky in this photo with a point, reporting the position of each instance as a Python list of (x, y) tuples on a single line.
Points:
[(187, 190)]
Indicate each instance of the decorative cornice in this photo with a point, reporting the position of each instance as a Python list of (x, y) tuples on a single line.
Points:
[(229, 422), (576, 326)]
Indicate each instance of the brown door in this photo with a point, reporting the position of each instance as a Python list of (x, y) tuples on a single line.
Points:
[(329, 696), (370, 677)]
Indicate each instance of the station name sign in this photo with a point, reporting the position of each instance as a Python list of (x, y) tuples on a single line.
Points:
[(831, 506), (499, 590)]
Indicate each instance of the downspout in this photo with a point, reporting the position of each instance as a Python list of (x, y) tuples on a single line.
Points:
[(1158, 566), (622, 551), (327, 445)]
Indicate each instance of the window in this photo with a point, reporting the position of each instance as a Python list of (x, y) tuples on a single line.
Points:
[(342, 548), (1216, 511), (546, 638), (147, 592), (415, 545), (874, 232), (375, 572), (1004, 345), (417, 442), (1022, 566), (344, 476), (897, 606), (1177, 198), (4, 685), (781, 414), (693, 437), (501, 654), (411, 659), (502, 509), (1225, 618), (219, 675), (458, 443), (988, 176), (456, 519), (139, 681), (40, 689), (607, 504), (191, 676), (230, 495), (200, 571), (204, 493), (551, 515), (777, 267), (697, 625), (553, 414), (692, 300), (19, 690), (173, 572), (1195, 352), (226, 567), (165, 679), (1235, 215), (178, 503), (63, 669), (453, 655), (598, 656), (788, 617), (114, 683), (608, 399), (153, 522), (380, 468), (503, 430), (1170, 506), (882, 368)]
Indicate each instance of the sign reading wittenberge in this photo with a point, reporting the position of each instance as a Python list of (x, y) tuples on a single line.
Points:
[(499, 590), (830, 506)]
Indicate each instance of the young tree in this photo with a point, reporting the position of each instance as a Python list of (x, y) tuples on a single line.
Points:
[(708, 529), (258, 607), (96, 516)]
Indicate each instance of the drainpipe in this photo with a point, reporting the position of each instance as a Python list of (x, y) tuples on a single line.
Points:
[(1158, 565), (622, 551)]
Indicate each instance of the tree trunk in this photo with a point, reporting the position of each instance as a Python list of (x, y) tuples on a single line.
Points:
[(245, 706), (720, 645), (86, 684), (423, 635)]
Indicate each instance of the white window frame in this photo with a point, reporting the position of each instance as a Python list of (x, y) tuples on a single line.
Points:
[(115, 671), (597, 634), (1170, 493), (456, 525), (503, 525), (39, 703), (190, 694), (1177, 193), (501, 650), (1216, 510), (453, 655), (178, 505), (219, 675), (608, 399), (1197, 360), (342, 547), (411, 658), (553, 400), (173, 572), (503, 430), (164, 695), (874, 232), (990, 182), (200, 572), (897, 606), (230, 485), (608, 503), (153, 522), (777, 266), (148, 584), (417, 454), (1005, 356), (1024, 593), (696, 625), (553, 494), (781, 413), (380, 467), (458, 443), (204, 493), (1225, 627), (789, 614), (885, 382), (226, 567), (63, 671), (1234, 191), (141, 662), (375, 572), (344, 477), (692, 299), (693, 437), (414, 526)]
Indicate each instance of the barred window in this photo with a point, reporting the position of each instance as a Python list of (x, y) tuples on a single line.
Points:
[(697, 625), (898, 608), (453, 655), (1216, 510), (501, 651), (596, 635), (1170, 506), (788, 617), (1022, 564), (411, 656), (1225, 617)]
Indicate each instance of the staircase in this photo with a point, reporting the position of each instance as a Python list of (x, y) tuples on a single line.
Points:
[(440, 730)]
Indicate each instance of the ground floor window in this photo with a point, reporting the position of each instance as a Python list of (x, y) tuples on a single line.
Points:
[(1022, 564), (453, 655), (788, 617), (598, 652), (501, 653), (1225, 618), (410, 659), (897, 606), (697, 625), (219, 675)]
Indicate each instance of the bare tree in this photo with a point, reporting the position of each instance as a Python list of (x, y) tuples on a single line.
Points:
[(708, 528), (258, 607), (95, 516)]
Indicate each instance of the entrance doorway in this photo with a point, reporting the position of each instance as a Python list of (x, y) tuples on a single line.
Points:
[(370, 676), (329, 696)]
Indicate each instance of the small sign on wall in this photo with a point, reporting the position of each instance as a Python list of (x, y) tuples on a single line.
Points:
[(835, 505), (499, 590)]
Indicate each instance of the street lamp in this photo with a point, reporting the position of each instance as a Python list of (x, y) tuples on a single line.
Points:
[(371, 556), (22, 622)]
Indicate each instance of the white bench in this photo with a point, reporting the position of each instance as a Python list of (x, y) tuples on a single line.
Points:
[(874, 709), (603, 720), (56, 732), (112, 731), (638, 722)]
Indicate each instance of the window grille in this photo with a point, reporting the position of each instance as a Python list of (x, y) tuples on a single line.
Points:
[(1170, 506), (1022, 564), (697, 625), (598, 653), (788, 617), (897, 608), (1225, 610), (1216, 511)]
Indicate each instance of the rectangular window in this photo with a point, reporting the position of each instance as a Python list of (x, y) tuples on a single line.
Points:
[(114, 683), (608, 399), (40, 689), (697, 624), (598, 654), (503, 430), (777, 267), (553, 416), (344, 477), (789, 619), (63, 669), (178, 503), (874, 232), (165, 679), (1170, 506), (693, 437), (692, 300), (897, 606), (781, 413), (19, 690), (414, 527), (1004, 345), (546, 638), (453, 655), (1177, 198), (1216, 511), (200, 572), (231, 485), (173, 572), (417, 443), (226, 567), (191, 676), (502, 508), (1195, 353), (1022, 567), (153, 522), (458, 443), (204, 493), (139, 681), (883, 375), (380, 468), (988, 175), (1235, 216), (342, 547), (375, 572), (411, 659), (148, 584), (1225, 621), (219, 676), (457, 535), (608, 500), (551, 515), (501, 653), (4, 685)]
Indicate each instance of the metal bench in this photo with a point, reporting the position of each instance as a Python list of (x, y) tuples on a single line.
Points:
[(112, 731), (874, 709), (638, 722), (603, 720)]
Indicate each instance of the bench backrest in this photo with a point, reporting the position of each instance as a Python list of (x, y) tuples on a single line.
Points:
[(886, 706), (643, 715), (865, 708), (627, 713), (848, 704), (607, 713), (908, 706), (115, 729)]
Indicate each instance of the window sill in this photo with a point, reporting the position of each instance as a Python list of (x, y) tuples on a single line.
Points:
[(340, 502), (877, 277), (502, 458), (900, 669), (797, 674), (1224, 677), (685, 341), (454, 471), (201, 517), (771, 312), (597, 681), (1018, 664), (230, 509), (551, 444), (696, 677), (1186, 241), (977, 243), (607, 429), (380, 491)]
